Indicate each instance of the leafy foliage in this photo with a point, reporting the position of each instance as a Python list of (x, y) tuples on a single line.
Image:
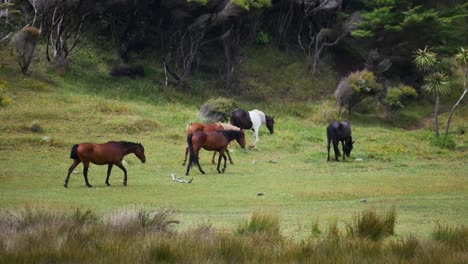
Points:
[(248, 4), (354, 88), (397, 97)]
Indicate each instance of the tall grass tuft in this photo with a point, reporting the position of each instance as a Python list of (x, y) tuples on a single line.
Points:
[(404, 249), (369, 225), (455, 237), (263, 223)]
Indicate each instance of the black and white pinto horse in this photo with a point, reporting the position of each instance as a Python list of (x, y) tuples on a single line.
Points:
[(252, 120), (336, 132)]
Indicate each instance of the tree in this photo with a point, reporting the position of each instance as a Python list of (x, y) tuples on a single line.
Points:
[(25, 42), (6, 11), (461, 59), (436, 82), (63, 23)]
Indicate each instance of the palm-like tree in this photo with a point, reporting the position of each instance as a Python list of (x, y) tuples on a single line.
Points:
[(461, 58), (436, 82)]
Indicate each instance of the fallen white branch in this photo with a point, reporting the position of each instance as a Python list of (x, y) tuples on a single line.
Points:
[(174, 178)]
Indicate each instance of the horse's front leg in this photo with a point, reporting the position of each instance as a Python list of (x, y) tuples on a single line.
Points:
[(343, 149), (224, 157), (328, 149), (109, 169), (221, 154), (70, 170), (125, 172), (229, 156), (85, 174)]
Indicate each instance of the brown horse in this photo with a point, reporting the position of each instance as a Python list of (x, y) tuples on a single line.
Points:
[(110, 153), (213, 141), (194, 127)]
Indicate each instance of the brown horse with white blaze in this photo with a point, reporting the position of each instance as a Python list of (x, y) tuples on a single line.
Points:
[(110, 153), (194, 127)]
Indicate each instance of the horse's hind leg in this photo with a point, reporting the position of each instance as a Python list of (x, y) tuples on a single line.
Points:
[(185, 158), (109, 169), (125, 172), (70, 170), (213, 158), (85, 173)]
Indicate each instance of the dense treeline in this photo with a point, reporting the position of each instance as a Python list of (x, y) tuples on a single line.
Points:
[(191, 36)]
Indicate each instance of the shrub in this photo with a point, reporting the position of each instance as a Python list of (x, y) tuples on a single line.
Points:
[(5, 100), (218, 109), (398, 97), (369, 225), (354, 88), (262, 38), (446, 142), (25, 42)]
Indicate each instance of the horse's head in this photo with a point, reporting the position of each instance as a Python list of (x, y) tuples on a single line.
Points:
[(270, 121), (241, 139), (348, 146), (140, 153)]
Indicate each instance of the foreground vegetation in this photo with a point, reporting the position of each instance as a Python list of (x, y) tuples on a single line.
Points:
[(45, 236)]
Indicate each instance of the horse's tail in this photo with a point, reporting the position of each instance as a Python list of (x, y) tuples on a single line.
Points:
[(74, 152), (190, 146)]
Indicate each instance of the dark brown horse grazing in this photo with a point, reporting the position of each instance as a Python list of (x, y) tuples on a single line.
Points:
[(110, 153), (339, 132), (194, 127), (213, 141)]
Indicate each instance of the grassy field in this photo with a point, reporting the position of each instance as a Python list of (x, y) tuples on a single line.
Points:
[(397, 166)]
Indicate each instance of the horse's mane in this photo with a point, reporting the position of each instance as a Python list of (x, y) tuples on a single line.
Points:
[(125, 142), (230, 134)]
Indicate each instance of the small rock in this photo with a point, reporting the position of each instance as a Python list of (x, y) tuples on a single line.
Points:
[(46, 138), (358, 159), (253, 162), (273, 161), (260, 194), (363, 200)]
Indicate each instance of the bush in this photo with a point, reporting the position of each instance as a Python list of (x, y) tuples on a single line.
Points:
[(25, 42), (354, 88), (5, 100), (215, 110), (262, 38), (446, 142), (398, 97)]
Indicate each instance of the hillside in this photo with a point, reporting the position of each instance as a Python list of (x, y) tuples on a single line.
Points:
[(393, 163)]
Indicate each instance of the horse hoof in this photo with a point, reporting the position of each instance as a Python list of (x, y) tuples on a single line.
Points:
[(108, 184), (223, 170), (201, 172), (65, 185), (125, 184), (89, 186)]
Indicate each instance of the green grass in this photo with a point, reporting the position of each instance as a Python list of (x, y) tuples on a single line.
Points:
[(399, 167)]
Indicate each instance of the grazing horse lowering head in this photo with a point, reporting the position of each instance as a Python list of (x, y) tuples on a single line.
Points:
[(339, 132), (140, 153), (348, 146), (270, 121), (240, 138)]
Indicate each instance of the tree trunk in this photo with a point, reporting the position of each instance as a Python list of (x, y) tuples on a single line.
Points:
[(436, 116), (456, 104)]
